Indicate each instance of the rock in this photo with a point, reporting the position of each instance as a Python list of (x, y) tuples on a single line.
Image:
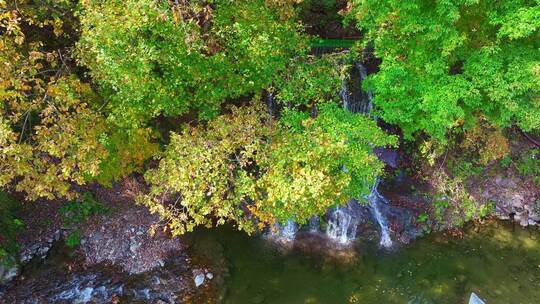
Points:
[(124, 242), (389, 156), (210, 275), (199, 279), (8, 273), (134, 246)]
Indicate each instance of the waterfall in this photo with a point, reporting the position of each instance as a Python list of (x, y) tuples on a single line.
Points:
[(283, 233), (342, 221), (355, 99), (289, 230), (375, 200), (342, 224), (271, 103), (314, 224)]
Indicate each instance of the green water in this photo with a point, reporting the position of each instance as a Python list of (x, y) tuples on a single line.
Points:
[(498, 263)]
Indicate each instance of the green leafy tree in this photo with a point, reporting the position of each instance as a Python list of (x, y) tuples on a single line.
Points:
[(243, 168), (207, 173), (171, 57), (313, 164), (310, 81), (52, 134), (445, 63)]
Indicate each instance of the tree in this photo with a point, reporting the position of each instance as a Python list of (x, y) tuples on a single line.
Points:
[(313, 164), (444, 64), (207, 173), (245, 169), (52, 134), (310, 80), (172, 57)]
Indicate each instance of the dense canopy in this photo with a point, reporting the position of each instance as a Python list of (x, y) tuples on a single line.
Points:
[(229, 114)]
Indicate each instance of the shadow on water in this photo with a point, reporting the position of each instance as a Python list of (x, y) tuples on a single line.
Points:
[(500, 265)]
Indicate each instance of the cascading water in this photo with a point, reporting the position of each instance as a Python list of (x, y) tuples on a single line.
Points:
[(283, 233), (375, 199), (354, 98), (271, 103), (343, 221), (289, 230), (314, 224), (342, 224)]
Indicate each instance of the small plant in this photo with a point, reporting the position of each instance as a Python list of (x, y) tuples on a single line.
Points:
[(506, 161), (77, 212), (10, 225), (422, 218), (74, 238), (440, 208), (529, 165), (486, 209), (463, 169)]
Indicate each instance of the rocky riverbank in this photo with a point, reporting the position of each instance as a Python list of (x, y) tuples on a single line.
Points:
[(126, 254), (123, 256)]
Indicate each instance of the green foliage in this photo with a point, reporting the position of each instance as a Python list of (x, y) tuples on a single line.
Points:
[(63, 148), (506, 161), (127, 152), (73, 239), (159, 57), (463, 169), (317, 163), (422, 218), (77, 212), (454, 205), (529, 165), (440, 207), (243, 169), (206, 172), (444, 64), (310, 81), (10, 225)]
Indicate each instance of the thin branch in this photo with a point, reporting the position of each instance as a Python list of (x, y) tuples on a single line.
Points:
[(533, 140), (24, 125)]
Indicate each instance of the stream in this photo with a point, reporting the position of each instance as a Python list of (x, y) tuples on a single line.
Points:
[(497, 261)]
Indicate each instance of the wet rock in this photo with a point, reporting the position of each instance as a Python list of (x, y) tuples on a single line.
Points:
[(8, 273), (101, 283), (389, 156), (38, 249)]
